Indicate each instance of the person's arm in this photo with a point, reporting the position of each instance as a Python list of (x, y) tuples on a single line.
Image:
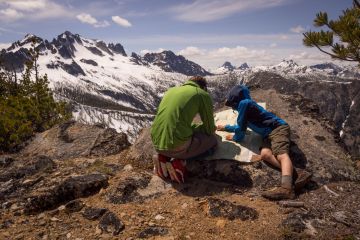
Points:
[(207, 114), (240, 128)]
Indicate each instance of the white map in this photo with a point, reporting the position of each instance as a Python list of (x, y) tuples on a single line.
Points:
[(242, 151)]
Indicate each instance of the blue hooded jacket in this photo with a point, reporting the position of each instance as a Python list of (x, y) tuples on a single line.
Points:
[(251, 115)]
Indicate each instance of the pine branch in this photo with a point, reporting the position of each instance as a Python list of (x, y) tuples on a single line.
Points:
[(328, 53), (357, 3)]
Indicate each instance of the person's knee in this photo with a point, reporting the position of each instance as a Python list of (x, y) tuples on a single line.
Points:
[(266, 154)]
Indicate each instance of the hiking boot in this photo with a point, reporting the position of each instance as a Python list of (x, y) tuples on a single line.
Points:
[(279, 193), (301, 178)]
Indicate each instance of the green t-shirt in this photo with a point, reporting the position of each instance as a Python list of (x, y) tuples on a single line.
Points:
[(173, 125)]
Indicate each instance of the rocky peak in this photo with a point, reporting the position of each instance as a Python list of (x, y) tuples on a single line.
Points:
[(228, 66), (65, 44), (288, 63), (28, 39), (102, 45), (330, 66), (244, 66), (117, 48), (68, 36), (170, 62), (137, 59)]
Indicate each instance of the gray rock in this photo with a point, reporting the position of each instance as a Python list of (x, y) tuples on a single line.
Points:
[(72, 139), (227, 171), (341, 217), (153, 231), (226, 209), (294, 223), (93, 213), (127, 189), (109, 142), (110, 223), (38, 164), (74, 206), (70, 189), (6, 224), (5, 161), (89, 61)]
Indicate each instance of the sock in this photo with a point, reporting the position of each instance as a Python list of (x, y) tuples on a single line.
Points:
[(286, 181)]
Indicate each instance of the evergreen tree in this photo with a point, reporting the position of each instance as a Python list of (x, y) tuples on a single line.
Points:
[(341, 40), (27, 105)]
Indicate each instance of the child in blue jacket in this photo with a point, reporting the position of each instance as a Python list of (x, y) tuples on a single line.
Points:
[(276, 139)]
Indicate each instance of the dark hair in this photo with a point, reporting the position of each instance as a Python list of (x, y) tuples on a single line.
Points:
[(201, 81)]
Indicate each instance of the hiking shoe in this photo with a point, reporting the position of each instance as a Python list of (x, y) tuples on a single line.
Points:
[(279, 193), (301, 178)]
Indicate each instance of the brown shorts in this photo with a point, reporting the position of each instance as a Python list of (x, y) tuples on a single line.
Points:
[(278, 140), (199, 144)]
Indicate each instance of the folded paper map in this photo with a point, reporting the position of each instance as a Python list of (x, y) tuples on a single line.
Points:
[(245, 151)]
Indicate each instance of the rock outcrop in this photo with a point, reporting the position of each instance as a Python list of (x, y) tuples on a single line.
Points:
[(81, 181)]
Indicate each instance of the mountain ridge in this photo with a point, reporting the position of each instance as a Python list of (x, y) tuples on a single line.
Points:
[(107, 86)]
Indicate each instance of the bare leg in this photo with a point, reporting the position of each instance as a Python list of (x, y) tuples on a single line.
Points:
[(266, 155), (286, 164), (285, 191)]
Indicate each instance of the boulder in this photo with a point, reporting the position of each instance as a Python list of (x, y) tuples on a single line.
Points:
[(70, 189), (73, 139)]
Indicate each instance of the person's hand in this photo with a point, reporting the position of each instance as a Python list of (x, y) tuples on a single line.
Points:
[(229, 137), (220, 127), (177, 170), (160, 167), (164, 168)]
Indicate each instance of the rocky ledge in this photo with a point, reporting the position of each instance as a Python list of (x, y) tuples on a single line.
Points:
[(77, 181)]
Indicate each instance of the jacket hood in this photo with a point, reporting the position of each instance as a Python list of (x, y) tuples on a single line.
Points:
[(237, 94)]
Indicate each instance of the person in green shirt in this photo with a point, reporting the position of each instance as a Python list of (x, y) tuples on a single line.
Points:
[(173, 133)]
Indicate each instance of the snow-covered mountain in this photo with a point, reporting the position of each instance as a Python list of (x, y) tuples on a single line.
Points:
[(290, 67), (228, 67), (107, 86), (102, 82)]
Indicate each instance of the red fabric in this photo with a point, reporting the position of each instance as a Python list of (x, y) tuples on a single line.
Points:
[(179, 166), (163, 158)]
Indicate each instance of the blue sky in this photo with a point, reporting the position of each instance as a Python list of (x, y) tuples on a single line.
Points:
[(259, 32)]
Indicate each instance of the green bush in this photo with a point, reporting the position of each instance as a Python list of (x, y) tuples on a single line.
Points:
[(27, 106)]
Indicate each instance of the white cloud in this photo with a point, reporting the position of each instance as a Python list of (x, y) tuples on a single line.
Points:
[(191, 51), (27, 5), (255, 49), (297, 29), (15, 10), (121, 21), (213, 39), (10, 14), (102, 24), (87, 18), (213, 58), (210, 10), (307, 56), (145, 51)]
